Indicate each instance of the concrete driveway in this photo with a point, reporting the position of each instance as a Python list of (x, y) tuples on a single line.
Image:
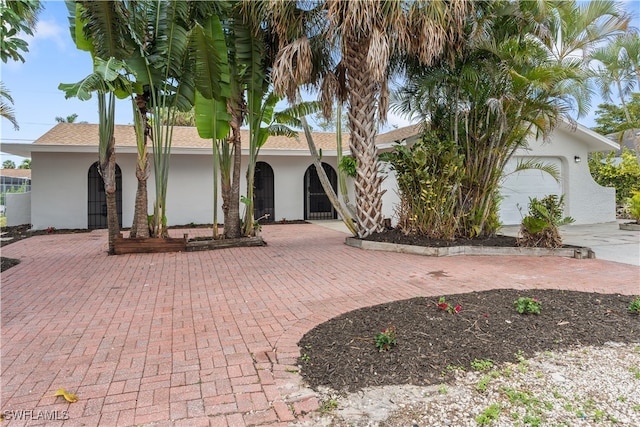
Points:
[(209, 338), (607, 240)]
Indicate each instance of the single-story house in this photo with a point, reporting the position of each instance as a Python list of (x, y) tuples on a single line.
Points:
[(67, 190)]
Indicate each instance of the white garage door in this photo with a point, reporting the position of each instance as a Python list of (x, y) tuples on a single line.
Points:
[(518, 187)]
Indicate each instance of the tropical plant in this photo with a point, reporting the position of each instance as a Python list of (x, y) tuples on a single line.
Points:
[(69, 119), (19, 18), (155, 39), (386, 339), (211, 116), (428, 176), (345, 49), (163, 63), (623, 174), (540, 226), (270, 123), (26, 164), (615, 71), (6, 109), (577, 28), (345, 212), (510, 81), (91, 31), (8, 164), (612, 118), (634, 206)]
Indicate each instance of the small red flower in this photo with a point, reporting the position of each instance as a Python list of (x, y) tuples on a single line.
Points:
[(443, 305), (457, 309)]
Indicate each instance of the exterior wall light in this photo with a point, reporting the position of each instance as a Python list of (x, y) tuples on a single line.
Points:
[(577, 159)]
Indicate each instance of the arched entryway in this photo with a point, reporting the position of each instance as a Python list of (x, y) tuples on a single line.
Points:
[(97, 208), (263, 194), (316, 201)]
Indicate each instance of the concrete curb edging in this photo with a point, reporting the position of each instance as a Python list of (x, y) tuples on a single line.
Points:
[(629, 226), (574, 252)]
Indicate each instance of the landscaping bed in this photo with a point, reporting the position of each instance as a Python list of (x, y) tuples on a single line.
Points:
[(433, 343)]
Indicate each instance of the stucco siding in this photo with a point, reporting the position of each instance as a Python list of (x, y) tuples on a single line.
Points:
[(60, 184)]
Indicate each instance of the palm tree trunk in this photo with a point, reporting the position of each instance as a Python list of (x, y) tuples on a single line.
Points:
[(232, 202), (108, 172), (363, 101), (140, 226)]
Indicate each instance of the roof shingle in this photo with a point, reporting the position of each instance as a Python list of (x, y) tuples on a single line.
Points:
[(83, 134)]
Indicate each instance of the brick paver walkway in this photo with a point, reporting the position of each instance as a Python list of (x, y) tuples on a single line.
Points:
[(209, 338)]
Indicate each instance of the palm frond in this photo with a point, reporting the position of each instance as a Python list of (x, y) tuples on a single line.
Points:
[(535, 164)]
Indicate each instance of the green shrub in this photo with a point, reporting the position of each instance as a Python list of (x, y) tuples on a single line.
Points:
[(624, 176), (540, 227), (633, 204), (429, 180), (348, 166)]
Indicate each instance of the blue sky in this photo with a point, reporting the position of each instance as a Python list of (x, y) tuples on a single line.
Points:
[(53, 59)]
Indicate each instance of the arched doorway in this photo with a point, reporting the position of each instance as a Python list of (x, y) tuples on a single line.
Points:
[(97, 207), (316, 201), (263, 194)]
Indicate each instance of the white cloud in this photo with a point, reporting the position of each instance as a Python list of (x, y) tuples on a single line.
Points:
[(50, 31)]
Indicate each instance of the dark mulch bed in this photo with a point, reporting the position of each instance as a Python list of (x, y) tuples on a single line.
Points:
[(397, 236), (341, 352), (7, 263)]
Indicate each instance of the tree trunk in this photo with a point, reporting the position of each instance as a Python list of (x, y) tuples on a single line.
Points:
[(140, 226), (108, 172), (232, 211), (344, 212), (363, 101)]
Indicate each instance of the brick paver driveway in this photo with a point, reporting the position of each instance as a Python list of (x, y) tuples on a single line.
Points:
[(208, 338)]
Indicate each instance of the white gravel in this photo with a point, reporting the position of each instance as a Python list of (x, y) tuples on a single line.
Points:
[(590, 386)]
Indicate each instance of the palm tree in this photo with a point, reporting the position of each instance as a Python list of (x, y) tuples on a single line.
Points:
[(576, 28), (501, 88), (615, 71), (69, 119), (6, 110), (94, 28), (347, 48), (8, 164), (630, 45), (154, 39)]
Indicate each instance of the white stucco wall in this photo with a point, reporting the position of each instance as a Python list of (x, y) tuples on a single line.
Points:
[(60, 188), (585, 200), (59, 194), (18, 208)]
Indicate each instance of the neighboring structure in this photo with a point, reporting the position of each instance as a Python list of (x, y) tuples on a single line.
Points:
[(15, 179), (67, 189)]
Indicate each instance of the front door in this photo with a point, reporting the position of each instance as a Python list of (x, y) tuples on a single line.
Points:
[(263, 199), (97, 208), (316, 202)]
